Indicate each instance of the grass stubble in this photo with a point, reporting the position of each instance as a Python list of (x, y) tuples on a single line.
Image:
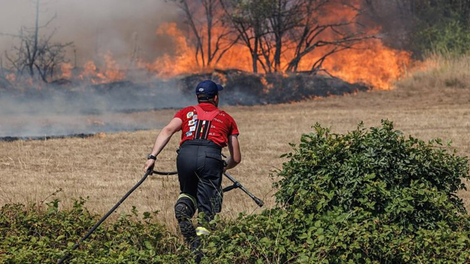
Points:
[(426, 105)]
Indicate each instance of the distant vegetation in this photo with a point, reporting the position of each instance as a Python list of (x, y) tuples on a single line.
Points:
[(443, 26), (422, 26), (369, 196)]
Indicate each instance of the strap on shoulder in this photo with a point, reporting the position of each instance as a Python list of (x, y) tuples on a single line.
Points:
[(203, 115)]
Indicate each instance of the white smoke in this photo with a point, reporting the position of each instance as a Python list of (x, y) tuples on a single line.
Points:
[(94, 26)]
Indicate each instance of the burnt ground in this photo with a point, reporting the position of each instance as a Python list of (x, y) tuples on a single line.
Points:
[(242, 88), (63, 100)]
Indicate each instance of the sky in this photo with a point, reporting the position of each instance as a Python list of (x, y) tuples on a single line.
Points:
[(94, 26)]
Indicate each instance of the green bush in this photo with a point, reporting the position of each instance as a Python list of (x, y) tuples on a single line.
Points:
[(451, 37), (33, 235), (370, 196), (438, 26), (380, 171)]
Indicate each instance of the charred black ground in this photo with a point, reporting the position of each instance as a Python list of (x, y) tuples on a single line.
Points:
[(71, 101), (242, 88)]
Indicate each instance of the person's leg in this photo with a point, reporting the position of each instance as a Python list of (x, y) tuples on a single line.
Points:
[(209, 191), (200, 174), (186, 205)]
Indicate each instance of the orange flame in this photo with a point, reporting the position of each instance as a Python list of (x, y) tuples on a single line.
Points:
[(371, 62), (111, 73), (183, 60), (66, 69)]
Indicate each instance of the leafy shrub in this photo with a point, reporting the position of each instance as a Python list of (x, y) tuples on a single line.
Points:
[(45, 236), (365, 197), (451, 37), (380, 172)]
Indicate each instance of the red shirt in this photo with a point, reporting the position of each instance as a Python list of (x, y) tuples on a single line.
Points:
[(222, 126)]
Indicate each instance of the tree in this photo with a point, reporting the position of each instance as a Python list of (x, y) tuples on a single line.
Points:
[(286, 16), (36, 54), (262, 26), (312, 32), (248, 19), (211, 38), (281, 33)]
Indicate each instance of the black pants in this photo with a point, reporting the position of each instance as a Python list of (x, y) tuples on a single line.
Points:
[(200, 168)]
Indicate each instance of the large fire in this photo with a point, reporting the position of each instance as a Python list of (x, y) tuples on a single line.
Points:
[(368, 61), (375, 64), (183, 59)]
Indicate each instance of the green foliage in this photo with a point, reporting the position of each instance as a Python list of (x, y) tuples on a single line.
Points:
[(45, 236), (291, 236), (441, 26), (450, 37), (379, 171), (365, 197)]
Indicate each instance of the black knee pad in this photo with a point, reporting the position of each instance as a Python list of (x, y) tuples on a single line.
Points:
[(184, 209)]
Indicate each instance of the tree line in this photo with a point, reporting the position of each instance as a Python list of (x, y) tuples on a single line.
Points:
[(271, 28), (424, 26), (279, 34)]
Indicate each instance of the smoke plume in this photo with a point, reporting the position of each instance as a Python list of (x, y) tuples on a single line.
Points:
[(95, 27), (125, 29)]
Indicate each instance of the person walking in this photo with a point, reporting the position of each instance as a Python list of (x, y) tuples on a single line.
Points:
[(205, 130)]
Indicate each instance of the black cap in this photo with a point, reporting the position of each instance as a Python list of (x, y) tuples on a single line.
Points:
[(208, 88)]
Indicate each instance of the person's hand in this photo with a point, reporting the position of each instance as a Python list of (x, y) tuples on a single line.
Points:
[(149, 164)]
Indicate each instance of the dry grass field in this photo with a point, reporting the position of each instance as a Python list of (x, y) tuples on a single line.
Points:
[(433, 104)]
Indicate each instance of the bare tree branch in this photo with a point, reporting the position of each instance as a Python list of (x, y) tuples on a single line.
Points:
[(36, 54), (312, 37), (212, 39)]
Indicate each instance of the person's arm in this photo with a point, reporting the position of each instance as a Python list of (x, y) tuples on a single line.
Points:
[(162, 139), (235, 154)]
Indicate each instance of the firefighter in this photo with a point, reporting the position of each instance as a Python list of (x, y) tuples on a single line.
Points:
[(205, 130)]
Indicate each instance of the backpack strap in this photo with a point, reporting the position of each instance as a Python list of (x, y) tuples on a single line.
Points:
[(203, 115), (204, 120)]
